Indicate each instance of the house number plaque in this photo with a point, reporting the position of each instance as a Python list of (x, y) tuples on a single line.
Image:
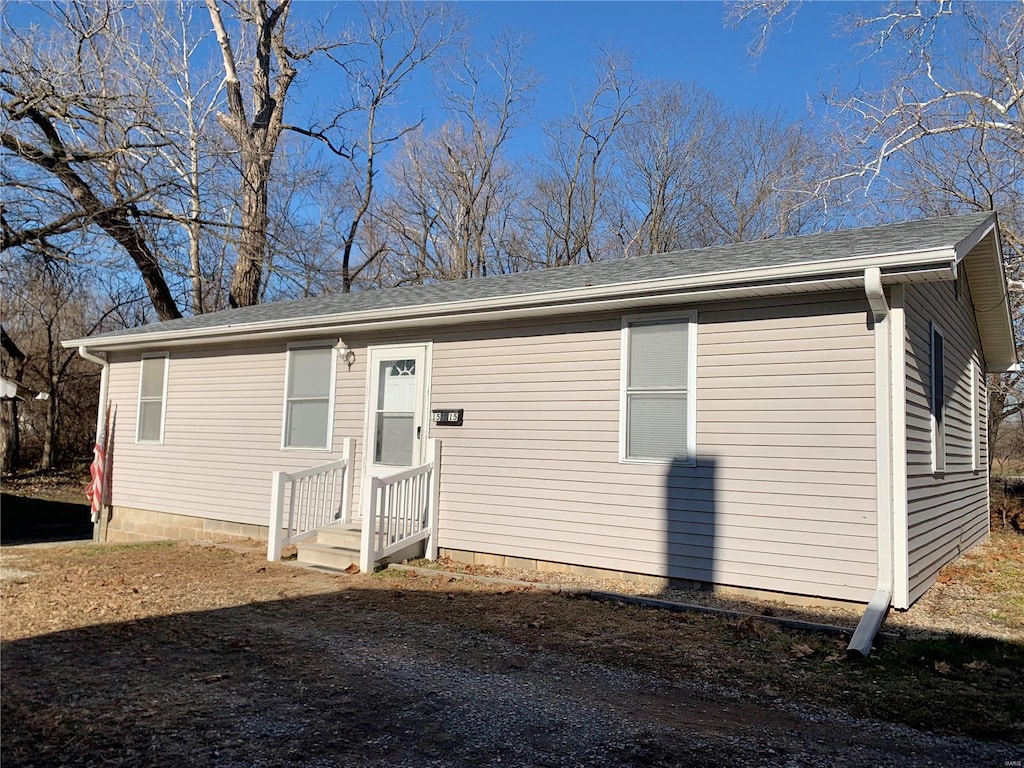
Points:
[(447, 417)]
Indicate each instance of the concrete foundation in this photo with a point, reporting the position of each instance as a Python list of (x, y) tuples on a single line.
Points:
[(502, 561), (126, 524)]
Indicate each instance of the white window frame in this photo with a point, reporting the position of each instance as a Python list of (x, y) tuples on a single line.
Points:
[(975, 417), (329, 345), (163, 398), (690, 317), (938, 457)]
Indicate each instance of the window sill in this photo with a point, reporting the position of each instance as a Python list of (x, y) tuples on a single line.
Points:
[(660, 462)]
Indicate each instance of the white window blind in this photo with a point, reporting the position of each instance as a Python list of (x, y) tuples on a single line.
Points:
[(938, 400), (975, 417), (308, 397), (152, 386), (657, 390)]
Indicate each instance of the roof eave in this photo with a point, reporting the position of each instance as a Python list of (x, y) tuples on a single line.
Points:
[(566, 301)]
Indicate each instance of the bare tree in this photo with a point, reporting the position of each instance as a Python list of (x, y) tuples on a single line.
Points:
[(453, 184), (256, 128), (760, 179), (182, 93), (665, 150), (394, 42), (75, 135), (45, 300), (575, 175)]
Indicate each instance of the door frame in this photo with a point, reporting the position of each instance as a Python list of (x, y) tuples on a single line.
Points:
[(374, 353)]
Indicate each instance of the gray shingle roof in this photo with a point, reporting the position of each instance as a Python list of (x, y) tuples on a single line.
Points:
[(806, 249)]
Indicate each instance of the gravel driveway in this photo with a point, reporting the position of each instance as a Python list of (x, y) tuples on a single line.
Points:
[(185, 656)]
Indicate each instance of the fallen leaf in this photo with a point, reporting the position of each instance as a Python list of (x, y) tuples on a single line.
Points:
[(977, 665), (942, 668), (352, 569), (216, 677), (536, 623), (800, 650)]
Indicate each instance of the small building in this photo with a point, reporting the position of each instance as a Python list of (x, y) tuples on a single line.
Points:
[(804, 416)]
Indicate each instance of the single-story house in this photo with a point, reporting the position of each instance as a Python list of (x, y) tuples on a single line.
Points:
[(804, 416)]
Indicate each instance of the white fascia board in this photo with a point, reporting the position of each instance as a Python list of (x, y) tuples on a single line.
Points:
[(1013, 367), (546, 303), (967, 244)]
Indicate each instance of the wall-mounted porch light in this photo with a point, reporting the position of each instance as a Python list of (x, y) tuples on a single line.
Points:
[(347, 355)]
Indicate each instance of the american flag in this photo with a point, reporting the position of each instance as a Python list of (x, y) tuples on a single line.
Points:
[(94, 491)]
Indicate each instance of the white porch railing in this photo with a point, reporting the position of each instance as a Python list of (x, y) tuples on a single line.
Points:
[(402, 511), (301, 502)]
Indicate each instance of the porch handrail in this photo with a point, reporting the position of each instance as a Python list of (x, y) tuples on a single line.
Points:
[(402, 510), (301, 502)]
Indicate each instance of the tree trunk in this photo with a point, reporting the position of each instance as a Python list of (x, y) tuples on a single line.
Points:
[(252, 243), (10, 439), (49, 457)]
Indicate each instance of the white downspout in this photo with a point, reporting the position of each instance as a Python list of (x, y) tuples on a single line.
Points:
[(878, 606), (101, 408)]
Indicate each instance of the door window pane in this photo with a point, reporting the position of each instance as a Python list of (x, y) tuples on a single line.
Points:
[(397, 391), (394, 439)]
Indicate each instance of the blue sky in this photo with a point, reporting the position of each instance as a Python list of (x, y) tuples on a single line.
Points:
[(678, 40), (670, 40)]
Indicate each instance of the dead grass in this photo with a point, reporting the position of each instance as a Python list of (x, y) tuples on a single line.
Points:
[(1007, 506), (143, 600), (66, 485)]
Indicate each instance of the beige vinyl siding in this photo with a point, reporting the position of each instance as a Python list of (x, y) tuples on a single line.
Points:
[(947, 512), (782, 497), (222, 435)]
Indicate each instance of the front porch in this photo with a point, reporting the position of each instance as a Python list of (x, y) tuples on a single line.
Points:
[(397, 518)]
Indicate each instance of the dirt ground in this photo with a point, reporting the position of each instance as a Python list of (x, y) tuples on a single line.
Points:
[(206, 655)]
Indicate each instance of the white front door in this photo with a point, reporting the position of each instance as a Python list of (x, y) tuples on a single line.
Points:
[(396, 417)]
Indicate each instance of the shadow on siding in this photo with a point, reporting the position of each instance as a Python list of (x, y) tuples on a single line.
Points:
[(690, 521)]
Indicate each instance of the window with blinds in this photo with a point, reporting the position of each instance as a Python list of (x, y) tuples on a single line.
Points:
[(938, 399), (310, 386), (658, 375), (152, 396)]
